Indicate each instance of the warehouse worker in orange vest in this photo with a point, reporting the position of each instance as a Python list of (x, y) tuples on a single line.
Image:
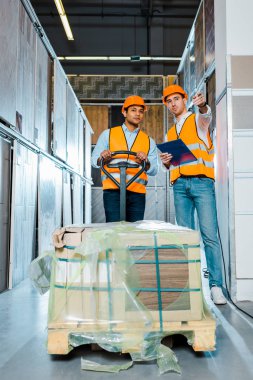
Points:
[(127, 137), (193, 183)]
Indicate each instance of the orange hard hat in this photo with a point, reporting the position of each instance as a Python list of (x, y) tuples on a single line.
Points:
[(172, 89), (133, 100)]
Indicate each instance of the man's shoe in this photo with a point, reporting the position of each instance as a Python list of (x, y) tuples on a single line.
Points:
[(217, 296)]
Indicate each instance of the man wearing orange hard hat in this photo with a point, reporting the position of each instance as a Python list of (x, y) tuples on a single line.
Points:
[(126, 137), (193, 182)]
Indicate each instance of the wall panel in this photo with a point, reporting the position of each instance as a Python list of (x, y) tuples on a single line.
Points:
[(8, 61), (77, 200), (153, 123), (171, 214), (242, 151), (98, 117), (49, 202), (199, 45), (67, 201), (5, 186), (243, 111), (187, 74), (243, 204), (155, 201), (81, 143), (239, 24), (222, 181), (43, 83), (220, 46), (243, 186), (26, 76), (72, 129), (209, 32), (24, 209), (97, 210), (159, 179), (116, 87), (210, 93), (192, 64), (60, 115), (243, 245), (241, 72)]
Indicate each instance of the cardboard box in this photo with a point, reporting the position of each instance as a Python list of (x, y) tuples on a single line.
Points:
[(163, 283)]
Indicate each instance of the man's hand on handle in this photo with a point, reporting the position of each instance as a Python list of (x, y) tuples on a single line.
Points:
[(106, 155), (142, 157)]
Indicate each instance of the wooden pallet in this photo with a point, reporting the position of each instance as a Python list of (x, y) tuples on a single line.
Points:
[(200, 334)]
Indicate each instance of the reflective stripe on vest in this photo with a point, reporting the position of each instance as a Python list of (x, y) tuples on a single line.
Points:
[(204, 163), (128, 177), (117, 141)]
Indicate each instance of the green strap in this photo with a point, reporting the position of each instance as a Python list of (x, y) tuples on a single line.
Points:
[(109, 289), (137, 262), (166, 290), (77, 260), (160, 306), (137, 248), (167, 261), (105, 289), (168, 246)]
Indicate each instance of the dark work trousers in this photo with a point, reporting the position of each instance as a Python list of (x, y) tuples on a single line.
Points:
[(135, 205)]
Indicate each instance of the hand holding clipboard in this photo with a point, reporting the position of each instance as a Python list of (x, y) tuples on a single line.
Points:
[(179, 152)]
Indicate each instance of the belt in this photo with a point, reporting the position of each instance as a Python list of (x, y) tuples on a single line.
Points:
[(193, 176)]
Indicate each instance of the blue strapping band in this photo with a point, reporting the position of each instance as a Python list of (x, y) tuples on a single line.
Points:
[(77, 260), (169, 246), (105, 289), (167, 261), (160, 305), (141, 248), (109, 285), (138, 261)]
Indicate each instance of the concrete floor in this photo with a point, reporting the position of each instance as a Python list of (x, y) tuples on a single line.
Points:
[(23, 354)]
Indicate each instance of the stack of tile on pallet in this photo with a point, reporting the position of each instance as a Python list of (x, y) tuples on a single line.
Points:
[(124, 278)]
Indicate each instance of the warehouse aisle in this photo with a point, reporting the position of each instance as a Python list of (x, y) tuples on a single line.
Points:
[(23, 355)]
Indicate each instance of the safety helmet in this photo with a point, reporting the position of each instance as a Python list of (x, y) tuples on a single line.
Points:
[(172, 89), (133, 100)]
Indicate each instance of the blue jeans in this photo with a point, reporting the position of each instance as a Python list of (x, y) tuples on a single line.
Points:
[(198, 193), (135, 205)]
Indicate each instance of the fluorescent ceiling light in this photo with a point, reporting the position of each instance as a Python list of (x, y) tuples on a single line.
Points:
[(80, 58), (64, 19), (117, 58)]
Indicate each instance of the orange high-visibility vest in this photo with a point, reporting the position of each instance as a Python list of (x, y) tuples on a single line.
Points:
[(117, 141), (204, 164)]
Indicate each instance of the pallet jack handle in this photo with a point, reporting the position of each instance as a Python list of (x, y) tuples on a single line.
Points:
[(122, 184)]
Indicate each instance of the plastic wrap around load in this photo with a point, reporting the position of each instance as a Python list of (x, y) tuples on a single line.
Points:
[(122, 273), (122, 285)]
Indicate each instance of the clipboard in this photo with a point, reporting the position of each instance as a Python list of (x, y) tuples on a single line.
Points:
[(181, 154)]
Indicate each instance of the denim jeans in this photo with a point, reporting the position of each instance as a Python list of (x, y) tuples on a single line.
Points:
[(198, 193), (135, 205)]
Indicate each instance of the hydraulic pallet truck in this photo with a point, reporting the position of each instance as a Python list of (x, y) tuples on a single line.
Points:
[(122, 183)]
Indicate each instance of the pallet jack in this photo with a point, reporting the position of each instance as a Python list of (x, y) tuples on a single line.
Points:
[(122, 184)]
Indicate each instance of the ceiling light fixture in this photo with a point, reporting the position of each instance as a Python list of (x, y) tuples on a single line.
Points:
[(64, 19), (118, 58)]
